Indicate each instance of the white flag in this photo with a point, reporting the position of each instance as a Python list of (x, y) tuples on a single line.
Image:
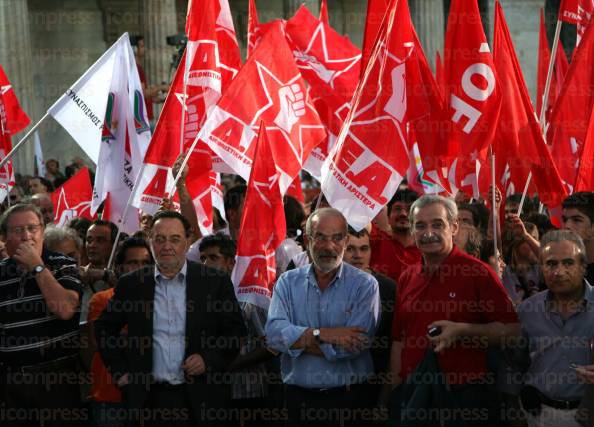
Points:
[(124, 140), (39, 155), (104, 111), (81, 109)]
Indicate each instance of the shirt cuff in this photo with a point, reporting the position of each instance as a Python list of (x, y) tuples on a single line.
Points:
[(329, 351), (290, 335)]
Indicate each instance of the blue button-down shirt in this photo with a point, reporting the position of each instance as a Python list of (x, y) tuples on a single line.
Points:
[(298, 303), (169, 327), (556, 343)]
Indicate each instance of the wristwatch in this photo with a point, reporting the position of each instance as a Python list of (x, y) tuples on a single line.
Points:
[(316, 335), (37, 269)]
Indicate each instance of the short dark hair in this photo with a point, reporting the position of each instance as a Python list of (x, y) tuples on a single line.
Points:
[(528, 206), (80, 225), (234, 196), (473, 210), (582, 201), (112, 227), (360, 233), (18, 208), (173, 215), (226, 244), (131, 242), (48, 184), (405, 195)]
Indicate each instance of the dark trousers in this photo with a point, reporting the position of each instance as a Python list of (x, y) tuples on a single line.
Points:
[(340, 407), (43, 398), (167, 406)]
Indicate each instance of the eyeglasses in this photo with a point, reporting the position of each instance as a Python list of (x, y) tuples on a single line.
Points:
[(335, 238), (20, 230)]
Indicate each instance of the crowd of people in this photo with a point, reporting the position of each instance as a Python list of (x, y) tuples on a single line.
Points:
[(427, 316)]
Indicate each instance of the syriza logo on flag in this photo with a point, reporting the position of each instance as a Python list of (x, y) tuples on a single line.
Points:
[(270, 89)]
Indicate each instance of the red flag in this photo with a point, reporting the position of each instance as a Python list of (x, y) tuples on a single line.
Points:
[(571, 113), (213, 54), (12, 120), (268, 88), (576, 12), (330, 63), (585, 175), (295, 190), (559, 70), (253, 24), (73, 199), (439, 73), (259, 235), (371, 155), (13, 117), (472, 95), (519, 144), (324, 12), (376, 10)]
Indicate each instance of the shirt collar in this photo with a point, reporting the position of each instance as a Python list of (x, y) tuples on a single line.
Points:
[(312, 274), (588, 297), (181, 275)]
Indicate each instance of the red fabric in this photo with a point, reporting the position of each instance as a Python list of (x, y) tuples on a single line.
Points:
[(103, 388), (519, 144), (571, 114), (324, 12), (389, 257), (585, 175), (463, 290), (439, 71), (260, 235), (576, 12), (147, 102), (295, 190), (14, 118), (73, 198), (473, 95), (376, 10), (559, 70)]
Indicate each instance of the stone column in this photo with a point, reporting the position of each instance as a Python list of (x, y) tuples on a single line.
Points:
[(428, 18), (291, 6), (16, 59), (354, 15), (159, 20)]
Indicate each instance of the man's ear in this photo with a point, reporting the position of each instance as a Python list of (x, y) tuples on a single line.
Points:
[(455, 227)]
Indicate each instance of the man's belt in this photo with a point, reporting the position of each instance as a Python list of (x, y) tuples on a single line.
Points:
[(558, 404)]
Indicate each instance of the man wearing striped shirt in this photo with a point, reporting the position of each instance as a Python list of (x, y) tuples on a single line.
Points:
[(39, 300)]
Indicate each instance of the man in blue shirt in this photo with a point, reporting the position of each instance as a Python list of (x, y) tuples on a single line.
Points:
[(171, 367), (322, 319)]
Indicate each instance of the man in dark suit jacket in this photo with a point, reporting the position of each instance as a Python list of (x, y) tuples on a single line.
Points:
[(183, 329)]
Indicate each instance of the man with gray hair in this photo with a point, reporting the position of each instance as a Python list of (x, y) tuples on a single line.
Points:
[(63, 240), (456, 305), (322, 318), (558, 325)]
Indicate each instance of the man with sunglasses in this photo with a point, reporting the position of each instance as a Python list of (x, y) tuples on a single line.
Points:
[(39, 299), (322, 319)]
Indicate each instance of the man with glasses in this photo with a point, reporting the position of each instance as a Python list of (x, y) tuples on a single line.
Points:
[(322, 319), (39, 298)]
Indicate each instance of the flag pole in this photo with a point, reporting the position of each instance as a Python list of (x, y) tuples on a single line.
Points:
[(22, 141), (494, 207), (545, 101), (545, 98), (122, 220)]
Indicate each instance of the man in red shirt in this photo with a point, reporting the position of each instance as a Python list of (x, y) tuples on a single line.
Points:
[(392, 245), (460, 296)]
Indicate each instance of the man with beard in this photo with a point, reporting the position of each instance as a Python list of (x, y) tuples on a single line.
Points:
[(392, 245), (322, 319)]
